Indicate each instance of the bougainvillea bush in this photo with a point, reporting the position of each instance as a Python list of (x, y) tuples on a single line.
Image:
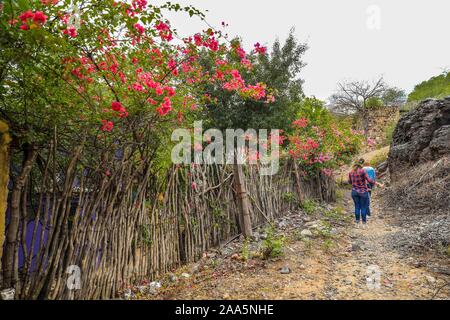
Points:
[(321, 142), (109, 69), (91, 91)]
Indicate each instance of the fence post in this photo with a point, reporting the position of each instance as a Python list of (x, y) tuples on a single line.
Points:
[(243, 202), (301, 196), (4, 179)]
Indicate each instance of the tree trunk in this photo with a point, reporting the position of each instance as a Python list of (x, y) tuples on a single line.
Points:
[(301, 196), (12, 240), (4, 179), (243, 202)]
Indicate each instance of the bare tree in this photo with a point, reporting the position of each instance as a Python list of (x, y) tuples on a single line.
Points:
[(353, 97)]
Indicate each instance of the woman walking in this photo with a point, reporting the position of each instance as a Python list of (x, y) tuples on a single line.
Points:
[(359, 179)]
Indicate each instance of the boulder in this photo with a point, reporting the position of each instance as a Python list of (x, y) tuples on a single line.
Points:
[(421, 135), (306, 233)]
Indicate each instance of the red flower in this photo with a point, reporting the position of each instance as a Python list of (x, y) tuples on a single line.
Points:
[(139, 28), (170, 91), (198, 39), (300, 123), (70, 31), (117, 106), (107, 126), (26, 15), (260, 49), (39, 17), (165, 107)]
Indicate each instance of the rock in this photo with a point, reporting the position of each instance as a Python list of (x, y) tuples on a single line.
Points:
[(195, 268), (185, 275), (306, 233), (430, 279), (256, 236), (173, 278), (282, 224), (356, 246), (311, 224), (142, 289), (285, 270), (440, 143), (347, 282), (7, 294), (422, 134), (154, 286), (235, 256), (128, 294)]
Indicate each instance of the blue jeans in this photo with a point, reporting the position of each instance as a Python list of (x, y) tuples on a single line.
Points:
[(361, 201), (370, 195)]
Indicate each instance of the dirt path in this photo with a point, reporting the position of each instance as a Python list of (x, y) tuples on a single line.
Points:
[(331, 264)]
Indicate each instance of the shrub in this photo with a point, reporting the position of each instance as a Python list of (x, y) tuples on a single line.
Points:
[(309, 206), (273, 245)]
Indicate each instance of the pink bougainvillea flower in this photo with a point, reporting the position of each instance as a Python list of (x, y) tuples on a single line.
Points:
[(26, 16), (164, 31), (159, 91), (169, 90), (39, 17), (139, 28), (48, 2), (172, 64), (213, 44), (152, 101), (138, 87), (198, 40), (107, 125), (117, 106), (241, 52), (260, 49), (246, 63), (70, 31), (165, 107), (300, 123)]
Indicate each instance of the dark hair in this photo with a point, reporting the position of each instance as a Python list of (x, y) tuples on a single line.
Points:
[(356, 166)]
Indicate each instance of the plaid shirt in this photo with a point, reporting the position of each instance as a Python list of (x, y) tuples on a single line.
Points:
[(359, 180)]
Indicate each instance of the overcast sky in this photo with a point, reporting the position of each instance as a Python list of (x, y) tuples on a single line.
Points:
[(406, 41)]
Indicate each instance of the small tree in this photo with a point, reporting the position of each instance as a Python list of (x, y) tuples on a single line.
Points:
[(354, 97), (393, 97)]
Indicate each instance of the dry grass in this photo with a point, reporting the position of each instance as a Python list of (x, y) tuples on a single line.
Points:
[(425, 186)]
